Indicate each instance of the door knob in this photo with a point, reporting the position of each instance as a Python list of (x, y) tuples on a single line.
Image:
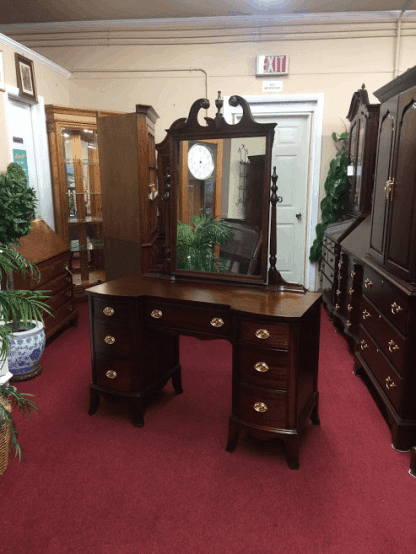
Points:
[(298, 215)]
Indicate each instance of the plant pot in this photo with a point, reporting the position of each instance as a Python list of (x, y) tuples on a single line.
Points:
[(4, 438), (26, 349)]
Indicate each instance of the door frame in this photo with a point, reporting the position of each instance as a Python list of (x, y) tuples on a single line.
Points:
[(43, 186), (296, 104)]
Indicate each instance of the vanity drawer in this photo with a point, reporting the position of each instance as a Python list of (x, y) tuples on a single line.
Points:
[(263, 367), (390, 300), (263, 407), (388, 379), (265, 334), (112, 340), (389, 340), (182, 317), (114, 375), (329, 257), (110, 310)]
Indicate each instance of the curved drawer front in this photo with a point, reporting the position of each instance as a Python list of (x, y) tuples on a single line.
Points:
[(388, 339), (391, 301), (117, 376), (110, 310), (265, 334), (212, 321), (263, 367), (388, 379), (260, 406), (112, 339)]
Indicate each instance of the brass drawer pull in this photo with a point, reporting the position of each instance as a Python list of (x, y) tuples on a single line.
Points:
[(368, 284), (349, 307), (111, 374), (156, 314), (348, 324), (363, 345), (350, 291), (108, 311), (262, 334), (338, 292), (390, 384), (395, 308), (217, 322), (261, 366), (366, 314), (337, 307), (109, 339), (393, 346), (340, 264), (352, 273), (260, 407)]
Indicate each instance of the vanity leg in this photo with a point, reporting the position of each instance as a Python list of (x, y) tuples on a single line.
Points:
[(315, 414), (233, 433), (136, 407), (292, 451), (94, 401), (177, 381)]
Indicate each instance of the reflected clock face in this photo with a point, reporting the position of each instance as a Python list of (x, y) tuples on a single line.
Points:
[(200, 161)]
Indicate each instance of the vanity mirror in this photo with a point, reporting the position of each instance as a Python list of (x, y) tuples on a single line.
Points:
[(219, 198)]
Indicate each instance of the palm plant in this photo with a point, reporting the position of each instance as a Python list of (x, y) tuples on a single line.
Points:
[(196, 242)]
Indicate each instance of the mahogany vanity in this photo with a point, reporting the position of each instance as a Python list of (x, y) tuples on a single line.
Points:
[(273, 326)]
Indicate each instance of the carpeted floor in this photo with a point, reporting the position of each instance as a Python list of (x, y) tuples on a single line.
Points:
[(96, 484)]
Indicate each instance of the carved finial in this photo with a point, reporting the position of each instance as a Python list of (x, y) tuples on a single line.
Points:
[(363, 86), (219, 102)]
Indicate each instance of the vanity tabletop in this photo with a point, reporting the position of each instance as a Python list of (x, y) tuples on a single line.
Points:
[(246, 299)]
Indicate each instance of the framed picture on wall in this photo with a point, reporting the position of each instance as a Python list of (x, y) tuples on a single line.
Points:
[(1, 73), (25, 77)]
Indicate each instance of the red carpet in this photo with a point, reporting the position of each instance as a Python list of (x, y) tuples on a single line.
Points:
[(96, 484)]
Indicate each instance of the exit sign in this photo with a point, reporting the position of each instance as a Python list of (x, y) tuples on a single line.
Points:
[(273, 65)]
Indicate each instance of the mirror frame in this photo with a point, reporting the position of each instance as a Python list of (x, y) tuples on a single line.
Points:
[(218, 128)]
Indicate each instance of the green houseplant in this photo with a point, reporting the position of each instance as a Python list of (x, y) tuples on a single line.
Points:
[(196, 241), (18, 308), (335, 203)]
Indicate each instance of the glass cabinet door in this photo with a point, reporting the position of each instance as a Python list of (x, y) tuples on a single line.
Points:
[(83, 201)]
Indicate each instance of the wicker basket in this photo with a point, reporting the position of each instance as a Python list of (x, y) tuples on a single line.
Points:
[(4, 438)]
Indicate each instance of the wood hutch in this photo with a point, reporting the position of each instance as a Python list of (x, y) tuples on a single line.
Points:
[(346, 241), (387, 330), (75, 171), (136, 319)]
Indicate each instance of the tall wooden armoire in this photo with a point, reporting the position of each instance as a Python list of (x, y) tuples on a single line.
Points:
[(130, 192), (387, 331)]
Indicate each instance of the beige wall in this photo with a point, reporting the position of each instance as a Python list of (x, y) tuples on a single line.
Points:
[(51, 85)]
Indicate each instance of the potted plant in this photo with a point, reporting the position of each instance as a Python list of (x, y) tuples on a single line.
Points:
[(17, 210), (196, 243)]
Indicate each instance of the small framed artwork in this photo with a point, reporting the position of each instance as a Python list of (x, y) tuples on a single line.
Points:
[(25, 77), (1, 73)]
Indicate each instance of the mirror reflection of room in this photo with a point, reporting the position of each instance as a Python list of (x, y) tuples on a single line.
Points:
[(219, 205)]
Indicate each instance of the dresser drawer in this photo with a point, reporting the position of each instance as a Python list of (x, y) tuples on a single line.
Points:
[(265, 334), (113, 340), (180, 317), (328, 271), (261, 407), (390, 300), (328, 256), (388, 379), (263, 367), (55, 301), (388, 339), (110, 310), (117, 376), (49, 270)]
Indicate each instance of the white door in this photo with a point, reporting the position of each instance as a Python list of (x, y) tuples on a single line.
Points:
[(290, 156)]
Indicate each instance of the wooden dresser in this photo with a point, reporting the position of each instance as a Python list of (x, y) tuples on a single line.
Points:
[(135, 327), (387, 331), (51, 254)]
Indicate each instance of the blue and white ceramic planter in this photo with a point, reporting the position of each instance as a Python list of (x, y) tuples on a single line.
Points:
[(26, 349)]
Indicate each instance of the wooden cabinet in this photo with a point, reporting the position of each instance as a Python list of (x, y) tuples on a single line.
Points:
[(72, 135), (394, 213), (130, 194), (51, 254), (135, 327), (387, 350)]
